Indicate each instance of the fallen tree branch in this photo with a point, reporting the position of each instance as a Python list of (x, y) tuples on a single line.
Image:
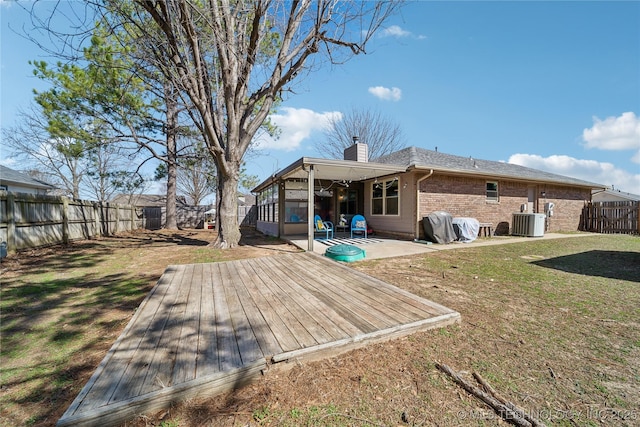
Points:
[(500, 408), (534, 422)]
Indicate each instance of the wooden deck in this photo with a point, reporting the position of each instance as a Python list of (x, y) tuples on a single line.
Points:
[(209, 328)]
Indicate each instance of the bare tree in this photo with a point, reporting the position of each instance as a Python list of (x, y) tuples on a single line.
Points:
[(233, 59), (77, 169), (110, 172), (60, 158), (381, 134), (196, 173)]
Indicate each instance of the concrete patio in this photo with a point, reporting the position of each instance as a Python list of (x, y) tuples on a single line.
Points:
[(382, 247)]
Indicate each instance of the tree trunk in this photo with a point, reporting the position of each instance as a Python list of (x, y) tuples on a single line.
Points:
[(172, 160), (227, 212)]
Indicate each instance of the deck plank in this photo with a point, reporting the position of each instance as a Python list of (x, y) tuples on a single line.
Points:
[(187, 351), (207, 359), (282, 306), (266, 339), (248, 345), (228, 352)]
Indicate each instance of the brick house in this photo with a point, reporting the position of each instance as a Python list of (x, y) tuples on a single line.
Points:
[(396, 191)]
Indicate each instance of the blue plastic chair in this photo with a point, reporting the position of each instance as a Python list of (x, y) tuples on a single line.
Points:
[(323, 227), (358, 223)]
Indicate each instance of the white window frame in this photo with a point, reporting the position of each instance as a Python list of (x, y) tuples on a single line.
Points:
[(386, 184)]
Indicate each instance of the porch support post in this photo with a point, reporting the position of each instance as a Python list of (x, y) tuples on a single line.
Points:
[(310, 209)]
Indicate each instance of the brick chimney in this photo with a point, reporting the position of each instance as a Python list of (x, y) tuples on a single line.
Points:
[(358, 152)]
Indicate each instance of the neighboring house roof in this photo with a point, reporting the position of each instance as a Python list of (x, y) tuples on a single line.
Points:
[(414, 157), (614, 195), (9, 176)]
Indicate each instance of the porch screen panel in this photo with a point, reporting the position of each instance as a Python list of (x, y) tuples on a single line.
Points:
[(295, 201)]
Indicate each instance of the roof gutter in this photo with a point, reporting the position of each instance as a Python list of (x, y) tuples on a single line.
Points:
[(418, 201), (506, 177)]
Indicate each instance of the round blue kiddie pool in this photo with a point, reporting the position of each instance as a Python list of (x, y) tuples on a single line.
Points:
[(347, 253)]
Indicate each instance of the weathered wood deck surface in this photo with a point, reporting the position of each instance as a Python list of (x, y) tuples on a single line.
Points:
[(209, 328)]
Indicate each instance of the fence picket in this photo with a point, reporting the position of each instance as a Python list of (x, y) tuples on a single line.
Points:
[(611, 217)]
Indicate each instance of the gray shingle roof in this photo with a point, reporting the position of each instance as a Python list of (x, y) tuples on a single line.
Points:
[(420, 157), (10, 176)]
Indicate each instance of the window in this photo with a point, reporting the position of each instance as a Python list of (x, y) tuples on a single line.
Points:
[(391, 198), (492, 191), (385, 198), (268, 204), (377, 199)]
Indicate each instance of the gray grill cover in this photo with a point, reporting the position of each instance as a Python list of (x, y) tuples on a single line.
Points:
[(438, 227), (466, 229)]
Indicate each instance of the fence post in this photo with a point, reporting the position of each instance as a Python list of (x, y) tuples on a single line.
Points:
[(65, 220), (117, 224), (96, 220), (11, 223)]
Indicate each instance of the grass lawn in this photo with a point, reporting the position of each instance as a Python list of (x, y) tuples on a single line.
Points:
[(553, 325)]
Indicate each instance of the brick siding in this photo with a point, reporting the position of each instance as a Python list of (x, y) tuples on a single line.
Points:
[(466, 197)]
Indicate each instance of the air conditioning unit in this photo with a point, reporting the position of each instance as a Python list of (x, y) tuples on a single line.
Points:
[(528, 225)]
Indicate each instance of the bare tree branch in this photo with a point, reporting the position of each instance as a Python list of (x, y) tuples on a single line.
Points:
[(381, 134)]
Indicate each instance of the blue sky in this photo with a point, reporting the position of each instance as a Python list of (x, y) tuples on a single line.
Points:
[(550, 85)]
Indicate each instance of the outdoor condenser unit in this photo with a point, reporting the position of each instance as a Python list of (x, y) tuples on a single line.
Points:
[(528, 224)]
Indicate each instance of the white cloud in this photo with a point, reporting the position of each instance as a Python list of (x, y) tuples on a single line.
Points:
[(589, 170), (615, 133), (295, 125), (395, 31), (399, 32), (386, 94)]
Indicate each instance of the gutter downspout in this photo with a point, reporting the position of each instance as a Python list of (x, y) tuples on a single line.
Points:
[(418, 201)]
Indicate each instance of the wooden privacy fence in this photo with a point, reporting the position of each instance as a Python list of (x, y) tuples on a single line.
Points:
[(611, 217), (155, 217), (29, 221)]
